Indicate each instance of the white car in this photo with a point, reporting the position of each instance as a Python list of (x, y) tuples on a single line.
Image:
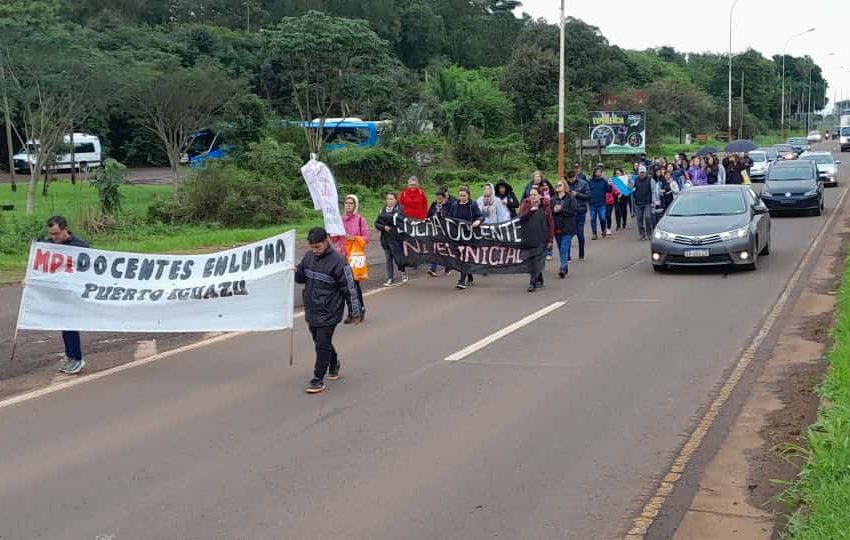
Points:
[(826, 164), (813, 136), (761, 164), (87, 154)]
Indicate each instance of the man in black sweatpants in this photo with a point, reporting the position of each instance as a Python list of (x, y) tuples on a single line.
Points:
[(328, 281)]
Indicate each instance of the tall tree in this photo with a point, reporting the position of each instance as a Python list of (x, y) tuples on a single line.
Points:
[(327, 65), (178, 102)]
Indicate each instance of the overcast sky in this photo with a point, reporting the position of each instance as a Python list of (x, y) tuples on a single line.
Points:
[(700, 29)]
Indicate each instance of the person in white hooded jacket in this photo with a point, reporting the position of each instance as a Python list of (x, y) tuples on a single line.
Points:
[(492, 207)]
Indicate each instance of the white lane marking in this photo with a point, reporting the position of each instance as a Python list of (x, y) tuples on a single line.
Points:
[(480, 344), (70, 383)]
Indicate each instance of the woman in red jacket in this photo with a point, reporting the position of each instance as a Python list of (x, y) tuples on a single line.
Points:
[(413, 200)]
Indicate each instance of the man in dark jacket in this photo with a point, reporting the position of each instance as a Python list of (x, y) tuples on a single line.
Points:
[(598, 186), (327, 280), (579, 186), (57, 230), (642, 197)]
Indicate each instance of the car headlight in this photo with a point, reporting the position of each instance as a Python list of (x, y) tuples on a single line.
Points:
[(662, 235), (765, 192), (813, 191), (737, 233)]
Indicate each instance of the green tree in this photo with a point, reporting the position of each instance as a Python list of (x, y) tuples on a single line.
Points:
[(327, 65), (531, 80)]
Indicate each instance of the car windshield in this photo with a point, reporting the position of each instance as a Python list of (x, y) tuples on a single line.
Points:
[(798, 140), (820, 160), (790, 173), (845, 132), (708, 203), (784, 148), (758, 156)]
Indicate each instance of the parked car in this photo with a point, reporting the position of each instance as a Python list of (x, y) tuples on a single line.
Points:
[(814, 136), (87, 154), (793, 186), (786, 151), (759, 165), (844, 138), (771, 152), (710, 226), (826, 164), (799, 144)]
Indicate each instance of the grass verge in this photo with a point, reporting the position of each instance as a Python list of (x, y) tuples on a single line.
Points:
[(822, 489)]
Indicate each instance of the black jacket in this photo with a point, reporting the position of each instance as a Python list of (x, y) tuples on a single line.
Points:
[(466, 212), (509, 198), (385, 217), (327, 280), (565, 220), (642, 195), (72, 241), (582, 191)]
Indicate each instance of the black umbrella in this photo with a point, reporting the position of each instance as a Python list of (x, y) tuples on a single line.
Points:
[(741, 145), (706, 150)]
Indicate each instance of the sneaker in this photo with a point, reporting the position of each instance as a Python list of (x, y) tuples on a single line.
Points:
[(561, 274), (460, 285), (549, 257), (532, 288), (333, 372), (469, 280), (447, 271), (388, 283), (64, 364), (432, 273), (348, 320), (74, 367), (315, 386), (404, 277), (594, 237), (610, 233), (580, 259)]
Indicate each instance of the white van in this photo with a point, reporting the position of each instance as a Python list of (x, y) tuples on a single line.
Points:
[(87, 154)]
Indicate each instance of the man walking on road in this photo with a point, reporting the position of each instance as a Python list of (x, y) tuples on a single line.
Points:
[(642, 196), (581, 189), (57, 230), (327, 281)]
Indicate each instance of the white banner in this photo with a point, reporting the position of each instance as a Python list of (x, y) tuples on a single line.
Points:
[(322, 187), (249, 288)]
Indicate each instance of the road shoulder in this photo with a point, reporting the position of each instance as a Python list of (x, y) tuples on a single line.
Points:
[(736, 495)]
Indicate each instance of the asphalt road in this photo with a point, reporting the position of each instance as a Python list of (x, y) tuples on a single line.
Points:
[(560, 429)]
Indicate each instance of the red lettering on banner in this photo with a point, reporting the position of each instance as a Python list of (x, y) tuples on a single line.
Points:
[(56, 261), (42, 259), (69, 264)]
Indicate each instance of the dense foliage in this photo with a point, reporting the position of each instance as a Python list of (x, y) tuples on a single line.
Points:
[(144, 75)]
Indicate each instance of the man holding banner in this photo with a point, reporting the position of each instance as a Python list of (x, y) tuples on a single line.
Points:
[(328, 283), (57, 230)]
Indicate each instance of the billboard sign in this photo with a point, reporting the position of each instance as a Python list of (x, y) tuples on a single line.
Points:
[(621, 132)]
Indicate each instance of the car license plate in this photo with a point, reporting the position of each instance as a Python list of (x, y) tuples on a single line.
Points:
[(696, 253)]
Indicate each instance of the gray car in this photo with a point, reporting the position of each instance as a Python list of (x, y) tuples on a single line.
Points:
[(827, 166), (712, 226)]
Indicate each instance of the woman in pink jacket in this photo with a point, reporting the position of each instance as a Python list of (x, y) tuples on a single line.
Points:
[(356, 227)]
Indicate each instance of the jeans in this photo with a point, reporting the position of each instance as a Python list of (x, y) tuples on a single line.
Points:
[(389, 256), (621, 209), (580, 218), (73, 350), (564, 242), (325, 353), (597, 212), (643, 215), (609, 215)]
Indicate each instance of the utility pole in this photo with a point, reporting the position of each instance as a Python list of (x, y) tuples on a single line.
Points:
[(729, 123), (741, 127), (809, 108), (561, 101)]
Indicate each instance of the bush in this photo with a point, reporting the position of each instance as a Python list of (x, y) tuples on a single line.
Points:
[(371, 167), (506, 155), (16, 233), (106, 180), (415, 146), (454, 177), (223, 193)]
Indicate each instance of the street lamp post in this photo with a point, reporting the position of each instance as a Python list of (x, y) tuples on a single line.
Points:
[(561, 101), (785, 48), (729, 123)]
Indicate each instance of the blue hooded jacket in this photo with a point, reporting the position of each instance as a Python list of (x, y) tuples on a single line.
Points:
[(598, 188)]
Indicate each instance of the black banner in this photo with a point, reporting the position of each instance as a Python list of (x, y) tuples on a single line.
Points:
[(486, 249)]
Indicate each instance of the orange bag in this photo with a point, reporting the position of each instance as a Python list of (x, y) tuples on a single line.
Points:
[(356, 255)]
